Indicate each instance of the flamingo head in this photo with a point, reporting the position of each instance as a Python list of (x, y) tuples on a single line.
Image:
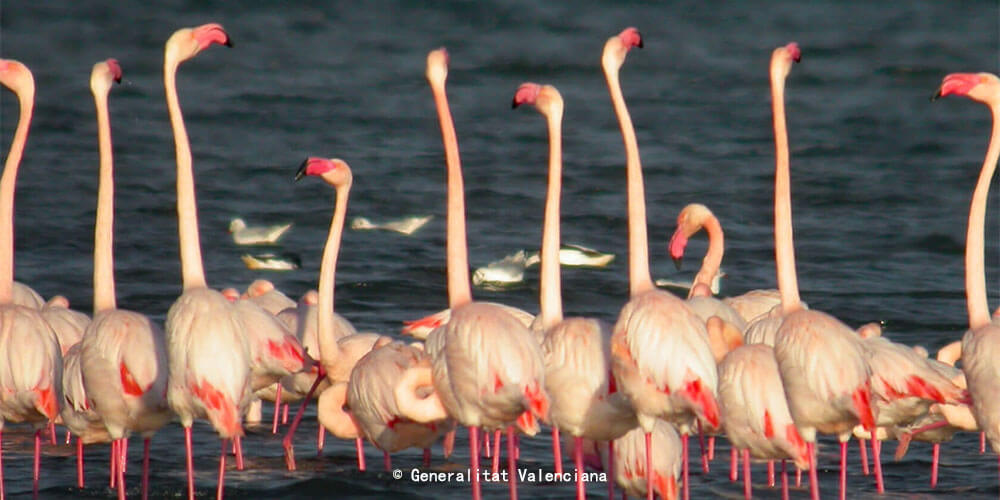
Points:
[(258, 288), (231, 294), (334, 171), (547, 100), (782, 59), (185, 43), (617, 48), (310, 298), (103, 74), (16, 76), (982, 87), (437, 66), (689, 221)]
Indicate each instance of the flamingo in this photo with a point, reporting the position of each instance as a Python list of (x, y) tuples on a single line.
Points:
[(264, 294), (981, 343), (679, 387), (576, 357), (338, 352), (487, 365), (30, 357), (208, 352), (77, 415), (68, 324), (25, 296), (630, 468), (822, 361), (420, 328)]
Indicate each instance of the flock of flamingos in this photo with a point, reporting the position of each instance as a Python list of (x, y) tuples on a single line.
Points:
[(761, 369)]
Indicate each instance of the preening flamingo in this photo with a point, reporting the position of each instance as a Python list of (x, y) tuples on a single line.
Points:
[(981, 344), (630, 462), (30, 357), (208, 352), (77, 414), (68, 324), (575, 350), (661, 358), (488, 367)]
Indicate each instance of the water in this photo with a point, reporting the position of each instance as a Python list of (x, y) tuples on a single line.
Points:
[(881, 178)]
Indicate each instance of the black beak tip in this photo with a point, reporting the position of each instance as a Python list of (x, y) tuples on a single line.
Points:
[(302, 170), (229, 42), (640, 43), (936, 96), (513, 104), (677, 263)]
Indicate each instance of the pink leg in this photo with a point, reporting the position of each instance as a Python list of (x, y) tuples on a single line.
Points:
[(711, 448), (557, 450), (935, 456), (79, 463), (581, 491), (611, 470), (69, 436), (448, 444), (277, 409), (222, 472), (113, 465), (784, 479), (122, 454), (843, 470), (863, 450), (387, 460), (798, 477), (702, 449), (360, 446), (486, 444), (684, 468), (496, 452), (511, 461), (649, 466), (770, 473), (427, 457), (320, 440), (877, 458), (190, 462), (813, 478), (52, 433), (38, 461), (982, 443), (238, 444), (734, 470), (287, 442), (474, 459), (284, 414), (3, 493), (145, 468), (517, 447), (747, 487)]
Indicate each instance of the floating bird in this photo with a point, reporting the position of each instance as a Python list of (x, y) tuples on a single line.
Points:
[(256, 235), (406, 225), (272, 261), (571, 255), (685, 285), (504, 272)]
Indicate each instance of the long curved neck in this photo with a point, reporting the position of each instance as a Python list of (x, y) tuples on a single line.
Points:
[(784, 247), (328, 350), (551, 286), (975, 273), (104, 274), (713, 257), (26, 100), (638, 245), (459, 291), (187, 208)]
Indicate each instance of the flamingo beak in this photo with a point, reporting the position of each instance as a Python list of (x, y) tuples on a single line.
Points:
[(677, 262), (302, 170)]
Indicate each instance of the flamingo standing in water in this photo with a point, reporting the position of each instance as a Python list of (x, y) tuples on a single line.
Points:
[(30, 358), (488, 368), (981, 344), (821, 360), (208, 352), (679, 387), (577, 361), (123, 358), (77, 414)]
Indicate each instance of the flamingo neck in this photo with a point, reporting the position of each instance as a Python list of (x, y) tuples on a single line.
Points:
[(328, 350), (459, 291), (26, 99), (638, 245), (975, 274), (784, 247), (713, 257), (551, 286), (104, 277), (187, 208)]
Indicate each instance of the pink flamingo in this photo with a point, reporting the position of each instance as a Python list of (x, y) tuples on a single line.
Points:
[(31, 366), (25, 296), (981, 343), (68, 324), (420, 328), (77, 415), (208, 352), (679, 388), (822, 361), (264, 294), (488, 367), (630, 468), (338, 352), (577, 361)]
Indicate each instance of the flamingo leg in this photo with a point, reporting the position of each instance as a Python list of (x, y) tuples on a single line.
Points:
[(79, 463), (684, 467), (113, 465), (448, 444), (982, 443), (877, 458), (222, 472), (427, 457), (121, 468), (843, 470), (123, 455), (277, 409), (798, 477), (649, 466), (863, 451), (813, 478), (511, 461), (387, 460), (770, 473), (711, 448), (238, 449), (703, 449), (611, 470), (784, 479), (486, 444), (145, 468), (734, 470), (747, 487), (557, 450), (287, 441), (320, 440), (69, 436), (359, 445), (581, 492), (474, 459), (284, 414), (38, 461), (52, 433), (496, 452), (190, 462), (3, 494), (935, 457)]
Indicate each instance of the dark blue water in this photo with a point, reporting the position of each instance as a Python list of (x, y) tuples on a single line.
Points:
[(881, 177)]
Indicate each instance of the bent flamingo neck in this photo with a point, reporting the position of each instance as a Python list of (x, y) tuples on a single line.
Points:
[(551, 283), (192, 273), (713, 257), (784, 246), (26, 100), (104, 278), (328, 349), (975, 274)]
